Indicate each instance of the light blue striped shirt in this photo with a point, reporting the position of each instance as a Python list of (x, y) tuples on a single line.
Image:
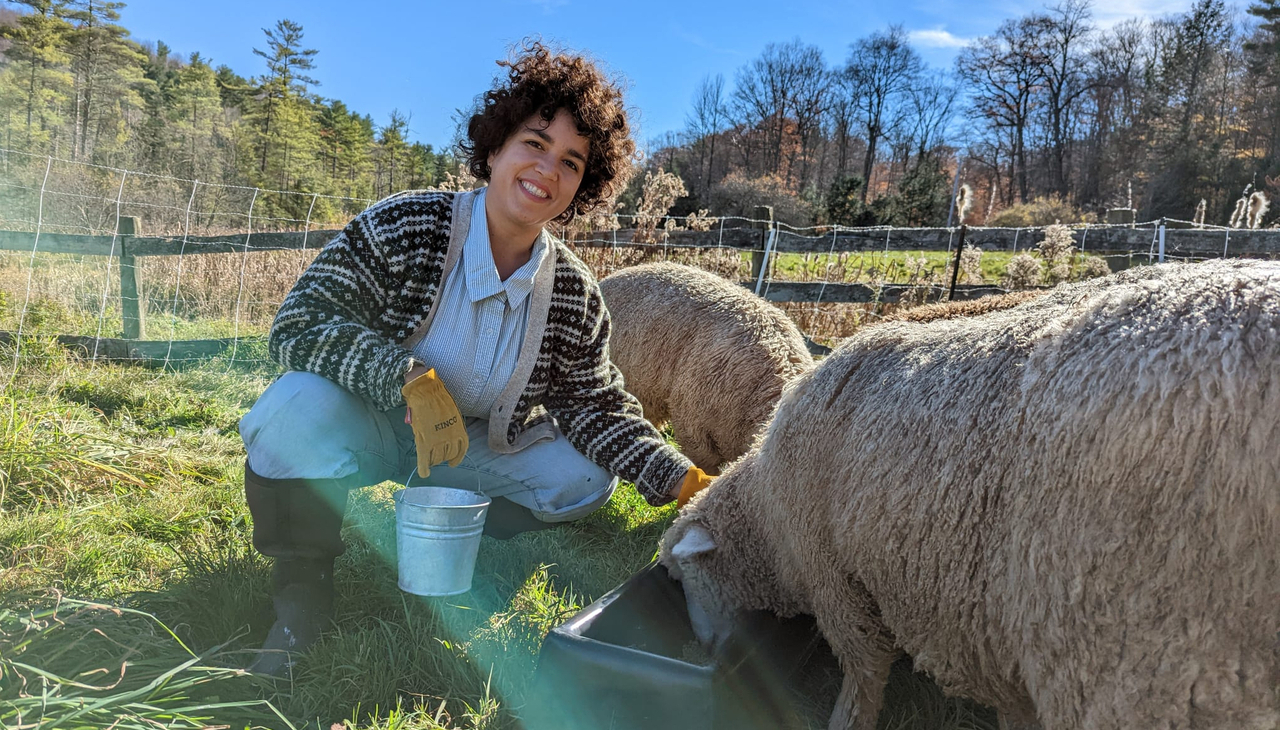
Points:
[(474, 339)]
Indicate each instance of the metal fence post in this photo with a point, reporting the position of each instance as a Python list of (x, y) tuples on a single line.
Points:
[(763, 216), (1160, 255), (131, 303)]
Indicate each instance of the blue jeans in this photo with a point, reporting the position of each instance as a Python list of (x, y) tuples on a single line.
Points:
[(306, 426)]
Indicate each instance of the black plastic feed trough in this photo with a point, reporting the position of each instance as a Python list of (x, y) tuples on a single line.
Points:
[(630, 660)]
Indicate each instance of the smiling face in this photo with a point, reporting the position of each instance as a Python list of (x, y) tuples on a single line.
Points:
[(535, 175)]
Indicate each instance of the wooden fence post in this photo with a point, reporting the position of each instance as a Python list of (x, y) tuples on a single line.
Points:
[(131, 303), (955, 269), (763, 216), (1121, 216)]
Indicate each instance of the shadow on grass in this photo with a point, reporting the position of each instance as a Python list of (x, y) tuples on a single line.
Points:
[(460, 661), (83, 665), (391, 660)]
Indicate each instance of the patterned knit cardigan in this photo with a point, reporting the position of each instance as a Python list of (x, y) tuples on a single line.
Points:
[(369, 295)]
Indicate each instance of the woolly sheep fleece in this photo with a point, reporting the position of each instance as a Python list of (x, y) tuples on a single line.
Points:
[(703, 353), (1068, 510)]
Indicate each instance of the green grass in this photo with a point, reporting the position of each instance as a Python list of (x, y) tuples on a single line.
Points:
[(893, 266), (122, 488), (130, 595)]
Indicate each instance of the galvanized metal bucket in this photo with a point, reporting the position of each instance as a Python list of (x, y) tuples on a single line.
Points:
[(437, 537)]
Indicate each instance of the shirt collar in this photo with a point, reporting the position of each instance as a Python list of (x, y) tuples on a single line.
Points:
[(477, 257), (482, 273), (520, 284)]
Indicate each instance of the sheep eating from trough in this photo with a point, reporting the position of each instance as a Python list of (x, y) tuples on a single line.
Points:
[(1068, 510), (703, 353)]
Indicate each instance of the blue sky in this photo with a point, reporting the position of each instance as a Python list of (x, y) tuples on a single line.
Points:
[(429, 58)]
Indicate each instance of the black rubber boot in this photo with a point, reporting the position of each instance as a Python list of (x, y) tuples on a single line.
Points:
[(298, 522), (506, 519), (303, 598)]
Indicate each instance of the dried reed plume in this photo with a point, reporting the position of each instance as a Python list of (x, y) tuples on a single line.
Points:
[(1258, 204), (1242, 206), (1198, 218), (964, 200), (1237, 216)]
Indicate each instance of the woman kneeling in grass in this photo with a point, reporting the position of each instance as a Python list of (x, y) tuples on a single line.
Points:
[(463, 305)]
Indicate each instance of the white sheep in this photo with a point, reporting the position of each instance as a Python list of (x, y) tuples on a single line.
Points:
[(1068, 510), (703, 353)]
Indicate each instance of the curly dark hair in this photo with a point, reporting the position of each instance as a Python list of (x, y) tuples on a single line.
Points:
[(543, 81)]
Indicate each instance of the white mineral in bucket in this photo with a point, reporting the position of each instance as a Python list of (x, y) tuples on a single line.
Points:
[(437, 537)]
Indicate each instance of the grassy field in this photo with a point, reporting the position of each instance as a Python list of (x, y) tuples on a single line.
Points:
[(230, 295), (130, 595), (122, 488), (877, 266)]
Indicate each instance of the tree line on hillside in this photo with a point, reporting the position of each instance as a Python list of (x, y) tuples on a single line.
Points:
[(1049, 117), (75, 85)]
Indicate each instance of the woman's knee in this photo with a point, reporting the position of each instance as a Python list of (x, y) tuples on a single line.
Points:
[(574, 504), (576, 488), (308, 427)]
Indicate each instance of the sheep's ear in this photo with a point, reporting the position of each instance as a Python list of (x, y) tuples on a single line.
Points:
[(705, 614), (696, 540)]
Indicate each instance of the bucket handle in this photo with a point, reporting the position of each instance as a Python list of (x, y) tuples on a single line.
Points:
[(477, 490)]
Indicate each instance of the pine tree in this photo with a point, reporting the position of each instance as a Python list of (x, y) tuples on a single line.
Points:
[(107, 66), (154, 135), (234, 90), (1264, 65), (284, 84), (419, 165), (346, 140), (196, 119), (392, 149), (39, 80), (1187, 145)]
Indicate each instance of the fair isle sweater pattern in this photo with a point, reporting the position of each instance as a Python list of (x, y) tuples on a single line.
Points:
[(370, 288)]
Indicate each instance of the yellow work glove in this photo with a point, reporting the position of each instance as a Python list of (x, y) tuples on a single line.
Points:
[(695, 480), (438, 429)]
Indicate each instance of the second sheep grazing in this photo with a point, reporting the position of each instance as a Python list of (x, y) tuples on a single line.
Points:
[(1068, 510), (703, 353)]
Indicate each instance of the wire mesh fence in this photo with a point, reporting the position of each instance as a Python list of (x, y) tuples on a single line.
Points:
[(123, 264)]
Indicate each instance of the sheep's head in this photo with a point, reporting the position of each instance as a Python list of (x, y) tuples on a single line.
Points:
[(689, 553), (712, 549)]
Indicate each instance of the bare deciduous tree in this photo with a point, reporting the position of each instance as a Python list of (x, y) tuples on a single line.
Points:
[(704, 122), (882, 70), (781, 88), (1066, 28), (1006, 72)]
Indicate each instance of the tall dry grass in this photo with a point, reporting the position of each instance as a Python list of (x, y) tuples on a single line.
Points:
[(223, 285)]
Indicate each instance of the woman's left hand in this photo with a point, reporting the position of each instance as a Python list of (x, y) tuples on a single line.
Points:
[(439, 432), (695, 480)]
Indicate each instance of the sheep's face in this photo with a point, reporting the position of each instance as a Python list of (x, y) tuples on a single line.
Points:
[(689, 554), (716, 550)]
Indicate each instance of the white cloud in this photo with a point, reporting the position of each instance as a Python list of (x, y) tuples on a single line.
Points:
[(1116, 11), (549, 5), (936, 38), (701, 42)]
